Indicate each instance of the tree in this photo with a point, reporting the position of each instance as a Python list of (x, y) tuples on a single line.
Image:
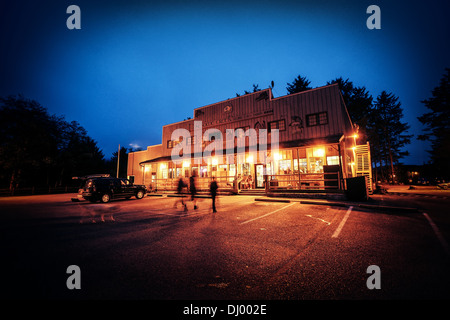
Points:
[(255, 89), (388, 134), (38, 149), (359, 105), (28, 139), (79, 154), (298, 85), (437, 125)]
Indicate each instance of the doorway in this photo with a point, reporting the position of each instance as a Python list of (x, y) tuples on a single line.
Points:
[(259, 176)]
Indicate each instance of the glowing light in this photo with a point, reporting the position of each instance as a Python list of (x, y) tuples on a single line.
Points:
[(186, 164), (214, 161), (250, 159), (277, 156), (320, 152)]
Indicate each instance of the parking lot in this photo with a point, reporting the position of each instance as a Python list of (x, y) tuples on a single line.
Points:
[(248, 250)]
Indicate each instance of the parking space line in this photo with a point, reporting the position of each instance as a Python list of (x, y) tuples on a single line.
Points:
[(341, 225), (438, 233), (268, 214)]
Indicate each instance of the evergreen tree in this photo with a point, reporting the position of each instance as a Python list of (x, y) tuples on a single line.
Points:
[(298, 85), (437, 126), (359, 105), (387, 132), (39, 149)]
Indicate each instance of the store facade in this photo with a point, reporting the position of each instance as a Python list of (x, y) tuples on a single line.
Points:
[(302, 141)]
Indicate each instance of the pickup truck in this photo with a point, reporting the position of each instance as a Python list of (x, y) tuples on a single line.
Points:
[(107, 188)]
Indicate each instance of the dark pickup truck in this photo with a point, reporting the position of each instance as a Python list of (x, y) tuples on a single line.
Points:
[(107, 188)]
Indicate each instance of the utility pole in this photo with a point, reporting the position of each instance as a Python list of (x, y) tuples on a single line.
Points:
[(118, 161)]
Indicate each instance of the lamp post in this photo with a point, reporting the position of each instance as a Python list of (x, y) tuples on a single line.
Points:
[(118, 160)]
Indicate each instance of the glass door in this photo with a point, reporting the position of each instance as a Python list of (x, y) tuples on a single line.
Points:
[(259, 175)]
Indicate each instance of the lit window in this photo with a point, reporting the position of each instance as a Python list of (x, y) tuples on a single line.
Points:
[(333, 160)]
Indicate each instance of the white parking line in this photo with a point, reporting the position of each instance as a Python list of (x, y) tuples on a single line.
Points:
[(341, 225), (438, 234), (267, 214)]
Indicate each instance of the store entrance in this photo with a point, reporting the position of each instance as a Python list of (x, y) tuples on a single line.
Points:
[(259, 175)]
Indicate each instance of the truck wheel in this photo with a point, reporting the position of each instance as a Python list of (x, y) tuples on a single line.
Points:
[(139, 194), (105, 198)]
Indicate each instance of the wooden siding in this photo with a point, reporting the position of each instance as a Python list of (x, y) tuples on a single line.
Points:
[(258, 109)]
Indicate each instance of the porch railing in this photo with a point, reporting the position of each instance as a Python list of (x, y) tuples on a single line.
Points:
[(303, 181)]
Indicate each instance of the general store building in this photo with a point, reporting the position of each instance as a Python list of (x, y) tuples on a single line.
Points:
[(316, 145)]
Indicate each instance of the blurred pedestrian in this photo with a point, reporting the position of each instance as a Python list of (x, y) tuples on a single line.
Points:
[(213, 190), (180, 186), (193, 189)]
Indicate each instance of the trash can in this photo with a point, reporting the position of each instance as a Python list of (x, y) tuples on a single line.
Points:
[(357, 189)]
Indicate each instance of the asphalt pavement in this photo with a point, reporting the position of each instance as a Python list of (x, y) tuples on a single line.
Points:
[(251, 249)]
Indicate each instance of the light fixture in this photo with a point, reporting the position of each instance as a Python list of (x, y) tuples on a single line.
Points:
[(318, 152)]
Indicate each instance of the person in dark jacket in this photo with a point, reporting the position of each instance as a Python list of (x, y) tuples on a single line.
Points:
[(213, 190), (193, 189), (180, 186)]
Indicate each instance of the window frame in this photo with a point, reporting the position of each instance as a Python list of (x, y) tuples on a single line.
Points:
[(319, 119), (277, 122)]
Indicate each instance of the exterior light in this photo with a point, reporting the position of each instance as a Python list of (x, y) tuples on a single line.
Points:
[(214, 161), (320, 152), (185, 163), (250, 159)]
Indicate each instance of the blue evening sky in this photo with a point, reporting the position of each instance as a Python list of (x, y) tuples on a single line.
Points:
[(137, 65)]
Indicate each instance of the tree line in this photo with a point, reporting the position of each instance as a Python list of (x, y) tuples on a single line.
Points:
[(40, 149), (380, 121)]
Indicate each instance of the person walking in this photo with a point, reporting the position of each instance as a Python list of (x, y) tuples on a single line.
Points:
[(193, 189), (213, 190), (180, 186)]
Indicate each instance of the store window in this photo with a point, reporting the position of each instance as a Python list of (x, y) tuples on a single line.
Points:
[(315, 159), (315, 165), (245, 169), (164, 173), (332, 160), (203, 172), (284, 166), (303, 165)]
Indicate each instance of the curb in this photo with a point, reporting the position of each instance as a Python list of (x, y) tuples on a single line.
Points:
[(343, 204)]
